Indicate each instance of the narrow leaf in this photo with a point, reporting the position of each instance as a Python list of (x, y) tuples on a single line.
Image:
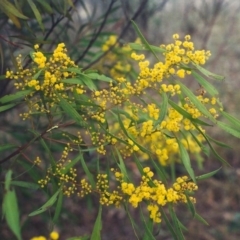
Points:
[(86, 170), (25, 184), (10, 207), (36, 13), (7, 147), (190, 205), (58, 207), (72, 81), (207, 73), (6, 107), (229, 129), (221, 144), (141, 47), (234, 121), (148, 228), (97, 76), (186, 160), (88, 82), (163, 110), (7, 6), (211, 147), (208, 175), (199, 218), (169, 225), (205, 84), (144, 39), (122, 165), (11, 212), (96, 233), (46, 6), (47, 205), (196, 102), (186, 114), (70, 111), (15, 96)]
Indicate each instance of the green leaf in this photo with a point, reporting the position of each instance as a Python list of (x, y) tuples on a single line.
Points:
[(121, 165), (88, 82), (6, 107), (229, 129), (190, 205), (83, 78), (101, 77), (199, 218), (186, 114), (186, 160), (25, 184), (58, 207), (211, 147), (71, 112), (196, 102), (144, 39), (46, 6), (160, 170), (47, 205), (208, 175), (10, 207), (30, 169), (36, 75), (15, 96), (36, 13), (7, 147), (163, 110), (72, 81), (207, 73), (141, 47), (47, 149), (234, 121), (8, 7), (169, 225), (86, 170), (96, 233), (79, 238), (133, 223), (70, 165), (205, 84), (177, 227), (148, 228), (221, 144)]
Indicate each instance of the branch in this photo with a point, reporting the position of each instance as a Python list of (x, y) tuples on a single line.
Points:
[(139, 10), (25, 146), (98, 32)]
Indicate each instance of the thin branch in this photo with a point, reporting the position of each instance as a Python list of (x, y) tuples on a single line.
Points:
[(137, 13), (25, 146), (98, 32), (11, 43)]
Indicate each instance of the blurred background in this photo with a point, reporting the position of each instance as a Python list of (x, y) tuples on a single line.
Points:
[(84, 25)]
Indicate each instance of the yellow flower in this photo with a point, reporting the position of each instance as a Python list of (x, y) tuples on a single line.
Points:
[(175, 36), (54, 235), (181, 73)]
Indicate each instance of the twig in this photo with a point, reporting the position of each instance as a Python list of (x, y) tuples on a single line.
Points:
[(11, 43), (25, 146), (139, 10), (94, 38)]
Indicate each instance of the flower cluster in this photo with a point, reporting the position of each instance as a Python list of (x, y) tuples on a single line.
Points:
[(116, 62), (46, 76), (159, 136), (52, 236), (150, 190)]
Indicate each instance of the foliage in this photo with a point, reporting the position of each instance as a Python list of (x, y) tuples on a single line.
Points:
[(111, 132)]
